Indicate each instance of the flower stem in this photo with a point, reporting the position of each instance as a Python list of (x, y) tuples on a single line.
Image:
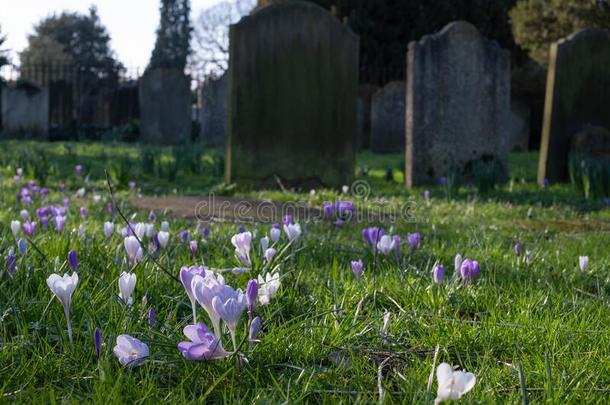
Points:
[(67, 312), (194, 306)]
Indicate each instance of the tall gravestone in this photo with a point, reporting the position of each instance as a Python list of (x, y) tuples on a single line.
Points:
[(165, 106), (458, 104), (388, 118), (25, 110), (213, 114), (577, 97), (293, 85)]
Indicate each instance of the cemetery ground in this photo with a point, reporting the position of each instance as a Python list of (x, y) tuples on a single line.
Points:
[(534, 330)]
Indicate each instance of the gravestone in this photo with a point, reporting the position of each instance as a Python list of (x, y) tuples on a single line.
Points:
[(213, 113), (25, 110), (363, 130), (388, 119), (458, 104), (293, 85), (165, 106), (577, 96)]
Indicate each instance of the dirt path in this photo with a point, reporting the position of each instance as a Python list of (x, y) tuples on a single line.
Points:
[(226, 209)]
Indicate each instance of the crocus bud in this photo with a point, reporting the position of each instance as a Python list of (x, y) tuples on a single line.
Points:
[(184, 236), (127, 283), (108, 229), (396, 240), (15, 227), (22, 245), (83, 212), (427, 196), (275, 233), (458, 263), (97, 342), (165, 226), (11, 263), (264, 243), (269, 254), (517, 249), (251, 295), (255, 328), (357, 268), (205, 232), (73, 260), (193, 247), (78, 169), (163, 238), (583, 262), (438, 274), (25, 215), (414, 239), (152, 317)]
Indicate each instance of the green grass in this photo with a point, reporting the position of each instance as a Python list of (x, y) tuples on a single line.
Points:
[(322, 338)]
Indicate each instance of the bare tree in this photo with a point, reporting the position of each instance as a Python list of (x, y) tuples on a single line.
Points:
[(210, 45)]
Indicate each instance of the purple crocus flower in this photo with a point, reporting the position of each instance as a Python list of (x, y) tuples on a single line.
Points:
[(110, 207), (327, 209), (186, 277), (255, 328), (11, 263), (83, 212), (241, 229), (251, 295), (414, 239), (517, 249), (152, 216), (66, 202), (438, 274), (17, 178), (29, 228), (97, 342), (203, 344), (132, 185), (396, 239), (427, 196), (22, 246), (372, 235), (60, 222), (62, 187), (193, 247), (73, 260), (205, 232), (44, 191), (184, 236), (287, 219), (469, 270), (357, 268), (152, 318), (78, 169)]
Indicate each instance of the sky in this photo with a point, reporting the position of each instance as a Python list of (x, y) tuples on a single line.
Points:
[(131, 23)]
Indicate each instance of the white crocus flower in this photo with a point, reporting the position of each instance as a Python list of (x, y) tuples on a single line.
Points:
[(452, 385), (293, 231), (15, 227), (458, 263), (63, 287), (130, 351), (127, 283), (275, 233), (267, 287), (133, 249), (386, 244), (242, 242), (583, 262), (163, 238), (165, 226), (264, 244), (108, 229)]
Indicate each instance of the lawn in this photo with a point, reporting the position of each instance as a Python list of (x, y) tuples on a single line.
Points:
[(534, 330)]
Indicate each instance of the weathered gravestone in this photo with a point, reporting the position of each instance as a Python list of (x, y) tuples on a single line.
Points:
[(577, 96), (213, 113), (165, 106), (388, 119), (458, 104), (25, 110), (293, 84), (363, 130)]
